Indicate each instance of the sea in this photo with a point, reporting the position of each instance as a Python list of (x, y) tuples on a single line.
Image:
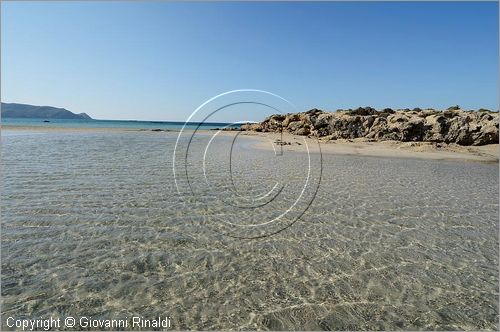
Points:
[(210, 232), (122, 124)]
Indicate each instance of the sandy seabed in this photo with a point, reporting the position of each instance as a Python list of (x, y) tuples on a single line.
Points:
[(93, 225)]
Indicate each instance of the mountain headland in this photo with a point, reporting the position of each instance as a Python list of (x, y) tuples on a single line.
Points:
[(13, 110)]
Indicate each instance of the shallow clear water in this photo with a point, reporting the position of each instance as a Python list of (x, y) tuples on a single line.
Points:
[(92, 225)]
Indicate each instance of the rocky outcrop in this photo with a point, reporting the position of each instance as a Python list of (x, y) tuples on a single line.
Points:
[(451, 126)]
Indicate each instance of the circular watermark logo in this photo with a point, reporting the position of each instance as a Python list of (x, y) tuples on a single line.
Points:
[(246, 184)]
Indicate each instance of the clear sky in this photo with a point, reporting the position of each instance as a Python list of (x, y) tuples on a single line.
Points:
[(161, 60)]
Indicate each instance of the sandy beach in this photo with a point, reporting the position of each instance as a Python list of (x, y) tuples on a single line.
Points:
[(390, 149), (248, 166), (294, 143)]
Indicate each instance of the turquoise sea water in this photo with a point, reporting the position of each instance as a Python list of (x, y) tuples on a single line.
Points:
[(130, 124)]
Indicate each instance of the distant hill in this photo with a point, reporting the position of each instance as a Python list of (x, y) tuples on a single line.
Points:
[(12, 110)]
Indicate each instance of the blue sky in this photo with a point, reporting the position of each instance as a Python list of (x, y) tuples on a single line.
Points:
[(161, 60)]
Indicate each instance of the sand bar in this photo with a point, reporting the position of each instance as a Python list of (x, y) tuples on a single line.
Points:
[(391, 149), (295, 143)]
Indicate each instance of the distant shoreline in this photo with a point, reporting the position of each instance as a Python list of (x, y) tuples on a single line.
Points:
[(112, 124), (295, 144)]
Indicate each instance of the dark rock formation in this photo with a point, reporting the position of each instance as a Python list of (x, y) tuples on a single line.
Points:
[(451, 126)]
